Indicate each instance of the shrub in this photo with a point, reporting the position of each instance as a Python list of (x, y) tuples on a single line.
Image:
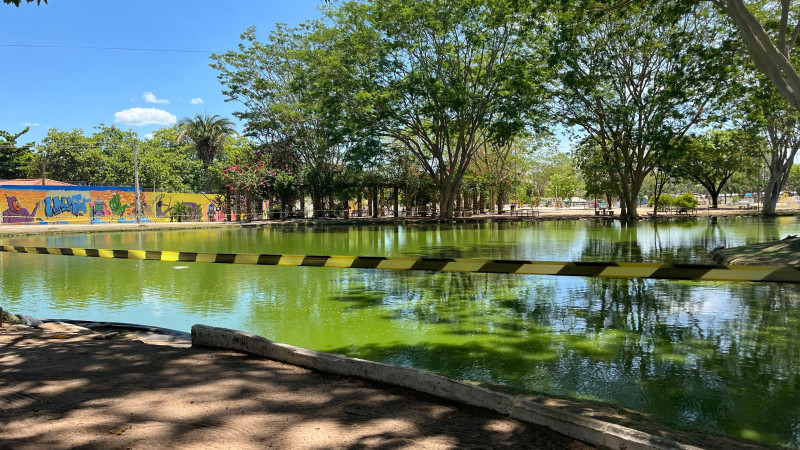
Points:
[(686, 200), (664, 201)]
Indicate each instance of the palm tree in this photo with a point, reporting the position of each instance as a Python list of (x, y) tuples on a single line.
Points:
[(207, 134)]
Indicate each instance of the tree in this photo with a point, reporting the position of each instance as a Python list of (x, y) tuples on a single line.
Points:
[(634, 80), (769, 31), (779, 124), (770, 42), (169, 164), (207, 134), (17, 2), (292, 87), (69, 156), (444, 78), (592, 163), (14, 158), (563, 184), (793, 181), (712, 159)]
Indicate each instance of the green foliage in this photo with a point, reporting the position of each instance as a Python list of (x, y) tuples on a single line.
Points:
[(712, 159), (793, 181), (17, 2), (106, 158), (167, 164), (14, 158), (665, 201), (686, 200), (178, 210), (293, 87), (563, 182), (444, 78), (71, 156), (632, 81), (207, 134)]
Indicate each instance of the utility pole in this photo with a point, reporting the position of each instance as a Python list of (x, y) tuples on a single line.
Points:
[(136, 183), (43, 166)]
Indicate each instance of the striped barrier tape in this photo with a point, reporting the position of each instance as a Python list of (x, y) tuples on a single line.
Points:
[(699, 272)]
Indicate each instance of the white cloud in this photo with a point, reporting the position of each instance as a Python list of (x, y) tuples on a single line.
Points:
[(138, 117), (196, 101), (29, 124), (148, 136), (149, 97)]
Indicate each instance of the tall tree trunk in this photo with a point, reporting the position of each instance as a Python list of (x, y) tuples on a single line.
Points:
[(474, 199), (714, 194), (396, 197), (360, 204), (447, 192), (772, 192), (317, 204), (382, 210), (500, 200), (206, 186), (375, 202), (408, 198)]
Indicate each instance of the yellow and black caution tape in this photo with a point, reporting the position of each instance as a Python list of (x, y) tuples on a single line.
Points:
[(704, 272)]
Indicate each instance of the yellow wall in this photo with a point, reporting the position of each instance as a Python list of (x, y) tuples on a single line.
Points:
[(73, 204)]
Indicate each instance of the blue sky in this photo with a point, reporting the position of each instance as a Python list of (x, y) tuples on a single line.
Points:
[(68, 88)]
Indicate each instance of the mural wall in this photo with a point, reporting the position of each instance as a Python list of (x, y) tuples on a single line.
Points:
[(95, 204)]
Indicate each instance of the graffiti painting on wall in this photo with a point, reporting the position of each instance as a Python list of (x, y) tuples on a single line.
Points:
[(75, 205), (83, 204), (16, 213)]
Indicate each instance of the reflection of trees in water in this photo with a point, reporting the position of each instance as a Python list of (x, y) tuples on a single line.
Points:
[(709, 356), (767, 230), (613, 242), (694, 368)]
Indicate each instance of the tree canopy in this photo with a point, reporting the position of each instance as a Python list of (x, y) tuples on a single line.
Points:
[(14, 157)]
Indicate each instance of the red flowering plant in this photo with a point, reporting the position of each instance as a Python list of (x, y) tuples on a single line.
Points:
[(245, 183), (246, 179)]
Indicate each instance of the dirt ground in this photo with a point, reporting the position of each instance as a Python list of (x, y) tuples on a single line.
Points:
[(60, 388)]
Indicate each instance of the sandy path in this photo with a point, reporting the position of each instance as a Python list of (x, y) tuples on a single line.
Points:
[(62, 389)]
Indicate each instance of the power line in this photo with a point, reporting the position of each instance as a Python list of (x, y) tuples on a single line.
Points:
[(133, 49)]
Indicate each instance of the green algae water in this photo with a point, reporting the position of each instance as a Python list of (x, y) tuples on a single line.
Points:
[(716, 357)]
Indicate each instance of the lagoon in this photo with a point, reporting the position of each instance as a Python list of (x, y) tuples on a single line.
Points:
[(715, 357)]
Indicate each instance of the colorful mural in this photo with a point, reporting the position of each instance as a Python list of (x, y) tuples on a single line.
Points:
[(96, 204)]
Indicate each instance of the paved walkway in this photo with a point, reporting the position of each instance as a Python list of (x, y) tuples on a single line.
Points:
[(59, 388)]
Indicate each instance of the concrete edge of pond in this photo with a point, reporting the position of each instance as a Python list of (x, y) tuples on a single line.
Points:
[(590, 430), (168, 333)]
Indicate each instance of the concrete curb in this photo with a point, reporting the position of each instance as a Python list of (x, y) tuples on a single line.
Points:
[(586, 429), (90, 324)]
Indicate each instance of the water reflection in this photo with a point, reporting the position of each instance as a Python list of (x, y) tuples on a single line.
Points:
[(721, 357)]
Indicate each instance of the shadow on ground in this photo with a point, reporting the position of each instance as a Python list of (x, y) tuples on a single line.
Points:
[(63, 390)]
